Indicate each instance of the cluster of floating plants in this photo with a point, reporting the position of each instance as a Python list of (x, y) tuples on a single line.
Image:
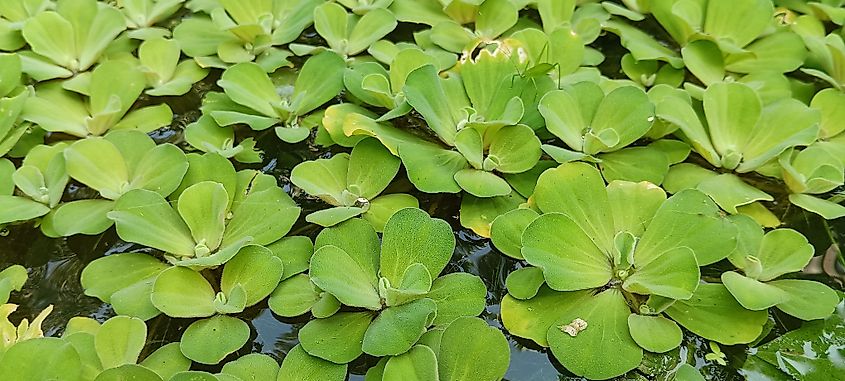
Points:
[(633, 162)]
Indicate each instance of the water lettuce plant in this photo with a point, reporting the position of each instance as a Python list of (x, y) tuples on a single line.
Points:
[(396, 286), (353, 184), (143, 15), (602, 273), (13, 97), (659, 175), (206, 136), (766, 257), (97, 105), (236, 32), (347, 34), (375, 86), (69, 40), (252, 98), (13, 15), (113, 165), (41, 180), (213, 220), (166, 75)]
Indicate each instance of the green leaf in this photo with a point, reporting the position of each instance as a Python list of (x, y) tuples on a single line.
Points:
[(371, 169), (740, 30), (51, 35), (266, 215), (294, 252), (298, 365), (751, 293), (431, 168), (371, 27), (688, 218), (144, 217), (384, 207), (358, 239), (119, 341), (46, 358), (209, 341), (577, 190), (194, 375), (704, 59), (324, 178), (331, 22), (478, 213), (7, 185), (829, 103), (11, 278), (485, 358), (514, 149), (13, 208), (333, 216), (109, 99), (654, 333), (96, 162), (128, 371), (564, 117), (633, 205), (182, 292), (635, 164), (416, 282), (341, 274), (495, 17), (160, 170), (525, 283), (203, 208), (827, 209), (418, 364), (627, 112), (506, 231), (766, 142), (673, 275), (781, 251), (533, 318), (248, 85), (252, 367), (107, 277), (167, 360), (398, 328), (808, 300), (569, 258), (606, 317), (411, 236), (730, 192), (457, 295), (481, 183), (425, 92), (714, 314), (732, 111), (468, 143), (319, 80), (81, 216), (337, 338), (294, 296), (256, 269)]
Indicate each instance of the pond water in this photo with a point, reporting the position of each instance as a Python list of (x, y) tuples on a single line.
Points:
[(55, 265)]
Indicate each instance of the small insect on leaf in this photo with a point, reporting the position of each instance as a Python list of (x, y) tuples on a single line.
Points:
[(574, 327)]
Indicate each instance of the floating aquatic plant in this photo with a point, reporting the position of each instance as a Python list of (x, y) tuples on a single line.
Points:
[(641, 163)]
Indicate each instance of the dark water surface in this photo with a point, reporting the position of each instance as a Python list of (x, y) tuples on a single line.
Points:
[(55, 265)]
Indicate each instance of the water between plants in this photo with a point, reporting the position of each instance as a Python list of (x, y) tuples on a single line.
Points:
[(55, 266)]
